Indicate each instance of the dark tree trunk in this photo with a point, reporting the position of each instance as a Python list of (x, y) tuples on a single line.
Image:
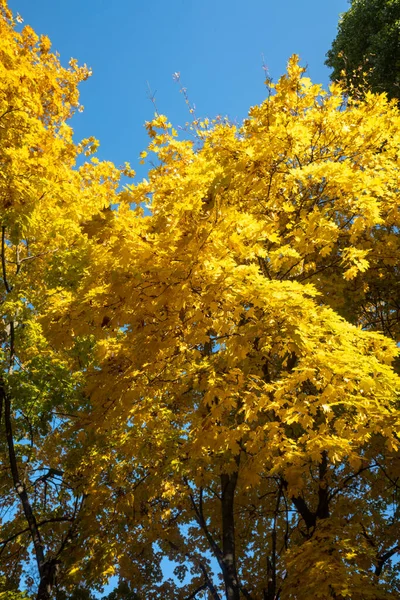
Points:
[(228, 485), (47, 579), (47, 570)]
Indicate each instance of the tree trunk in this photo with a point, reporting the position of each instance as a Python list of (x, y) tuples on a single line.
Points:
[(228, 485), (47, 570), (47, 579)]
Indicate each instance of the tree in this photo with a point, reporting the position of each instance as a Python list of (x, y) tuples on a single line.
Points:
[(366, 49), (121, 592), (242, 415), (44, 204), (210, 380)]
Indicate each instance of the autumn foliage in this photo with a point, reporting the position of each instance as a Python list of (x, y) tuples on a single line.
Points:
[(201, 366)]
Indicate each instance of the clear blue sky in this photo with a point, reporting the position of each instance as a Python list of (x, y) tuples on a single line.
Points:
[(217, 46)]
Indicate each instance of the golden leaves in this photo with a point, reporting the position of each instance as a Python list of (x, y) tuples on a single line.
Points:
[(205, 332), (222, 344)]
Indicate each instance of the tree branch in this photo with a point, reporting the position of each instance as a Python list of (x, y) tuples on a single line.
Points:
[(383, 558), (208, 582), (19, 486), (199, 589), (300, 504), (3, 259), (201, 521)]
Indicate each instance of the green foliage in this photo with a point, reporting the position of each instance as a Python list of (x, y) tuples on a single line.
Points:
[(79, 593), (367, 47), (9, 595), (8, 591), (121, 592)]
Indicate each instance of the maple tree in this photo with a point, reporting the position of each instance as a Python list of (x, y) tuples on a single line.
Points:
[(44, 202), (208, 371), (242, 401)]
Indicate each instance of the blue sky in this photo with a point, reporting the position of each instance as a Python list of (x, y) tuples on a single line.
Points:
[(217, 46)]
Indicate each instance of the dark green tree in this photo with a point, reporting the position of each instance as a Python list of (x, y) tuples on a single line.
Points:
[(121, 592), (366, 49), (78, 594)]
